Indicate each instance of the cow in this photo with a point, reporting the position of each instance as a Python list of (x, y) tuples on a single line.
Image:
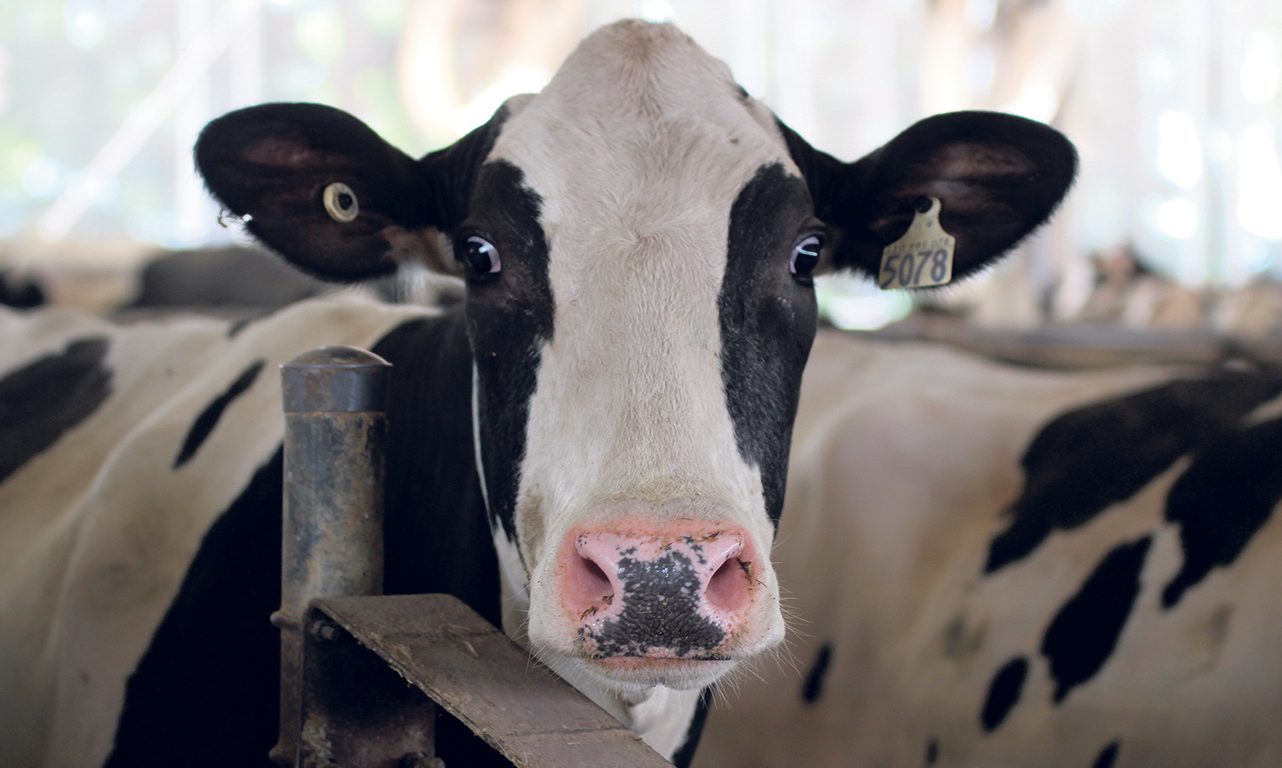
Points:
[(230, 280), (236, 277), (20, 291), (1037, 567), (590, 450), (1127, 290)]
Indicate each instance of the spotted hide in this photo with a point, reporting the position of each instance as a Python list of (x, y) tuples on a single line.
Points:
[(124, 453), (591, 448), (994, 566)]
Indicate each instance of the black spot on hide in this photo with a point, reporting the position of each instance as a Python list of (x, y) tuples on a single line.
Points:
[(44, 399), (1227, 495), (204, 424), (1003, 693), (235, 327), (1084, 633), (205, 692), (683, 756), (1107, 756), (238, 325), (932, 752), (815, 678), (20, 292), (1093, 457)]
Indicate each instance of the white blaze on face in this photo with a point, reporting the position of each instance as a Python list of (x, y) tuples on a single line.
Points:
[(638, 160)]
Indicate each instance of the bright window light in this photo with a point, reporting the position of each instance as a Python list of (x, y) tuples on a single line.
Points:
[(656, 10), (1259, 203), (1261, 70), (1175, 218), (1179, 152)]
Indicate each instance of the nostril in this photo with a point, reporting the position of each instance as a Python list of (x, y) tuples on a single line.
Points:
[(587, 587), (729, 587), (594, 579)]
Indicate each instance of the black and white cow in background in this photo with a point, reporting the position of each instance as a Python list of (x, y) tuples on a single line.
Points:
[(604, 423), (1036, 569)]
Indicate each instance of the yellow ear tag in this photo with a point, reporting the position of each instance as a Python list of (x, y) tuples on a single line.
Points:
[(923, 257)]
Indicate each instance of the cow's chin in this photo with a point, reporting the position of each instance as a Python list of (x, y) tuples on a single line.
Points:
[(635, 674)]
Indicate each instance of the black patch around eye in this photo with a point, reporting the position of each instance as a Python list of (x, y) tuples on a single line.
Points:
[(204, 424), (508, 322), (815, 678), (1003, 693), (1095, 456), (767, 324), (44, 399), (1084, 633), (1107, 756), (1224, 498)]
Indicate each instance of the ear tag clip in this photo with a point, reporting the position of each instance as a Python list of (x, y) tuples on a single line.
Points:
[(923, 257), (341, 203), (227, 218)]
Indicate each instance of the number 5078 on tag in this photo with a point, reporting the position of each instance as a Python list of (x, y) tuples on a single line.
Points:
[(922, 258)]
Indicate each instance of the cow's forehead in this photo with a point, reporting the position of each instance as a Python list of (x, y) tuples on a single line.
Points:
[(639, 109)]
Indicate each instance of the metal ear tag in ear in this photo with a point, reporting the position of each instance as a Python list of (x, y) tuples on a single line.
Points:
[(341, 203), (226, 218), (923, 257)]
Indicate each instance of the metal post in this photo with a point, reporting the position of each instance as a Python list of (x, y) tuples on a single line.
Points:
[(335, 427)]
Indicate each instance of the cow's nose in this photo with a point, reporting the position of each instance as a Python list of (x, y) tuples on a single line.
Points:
[(660, 594)]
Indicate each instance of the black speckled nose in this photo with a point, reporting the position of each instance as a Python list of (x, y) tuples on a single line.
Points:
[(668, 595)]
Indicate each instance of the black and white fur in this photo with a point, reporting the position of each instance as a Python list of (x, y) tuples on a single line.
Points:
[(639, 353)]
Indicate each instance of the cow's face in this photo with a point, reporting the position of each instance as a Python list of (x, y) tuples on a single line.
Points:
[(638, 354), (638, 241)]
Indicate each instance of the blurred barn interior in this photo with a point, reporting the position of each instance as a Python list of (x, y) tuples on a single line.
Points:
[(1174, 229)]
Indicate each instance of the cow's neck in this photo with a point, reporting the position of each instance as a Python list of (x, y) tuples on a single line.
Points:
[(438, 539)]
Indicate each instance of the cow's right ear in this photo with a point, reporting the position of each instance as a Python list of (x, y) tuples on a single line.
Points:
[(321, 188), (997, 177)]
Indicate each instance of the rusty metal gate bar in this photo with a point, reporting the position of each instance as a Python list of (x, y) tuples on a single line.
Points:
[(379, 666), (335, 402)]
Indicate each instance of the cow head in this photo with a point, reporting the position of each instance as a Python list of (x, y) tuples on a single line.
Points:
[(639, 242)]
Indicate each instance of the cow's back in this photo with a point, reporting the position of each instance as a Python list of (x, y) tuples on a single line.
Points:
[(123, 445), (922, 637)]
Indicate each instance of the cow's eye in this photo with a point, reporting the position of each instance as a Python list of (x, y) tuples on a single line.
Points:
[(481, 256), (805, 255)]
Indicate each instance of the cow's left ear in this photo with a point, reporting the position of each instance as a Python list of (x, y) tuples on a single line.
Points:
[(325, 191), (998, 177)]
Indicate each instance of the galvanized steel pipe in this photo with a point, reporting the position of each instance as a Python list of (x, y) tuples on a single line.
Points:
[(335, 402)]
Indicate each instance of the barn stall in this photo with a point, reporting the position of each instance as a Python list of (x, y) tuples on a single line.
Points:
[(1165, 253)]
